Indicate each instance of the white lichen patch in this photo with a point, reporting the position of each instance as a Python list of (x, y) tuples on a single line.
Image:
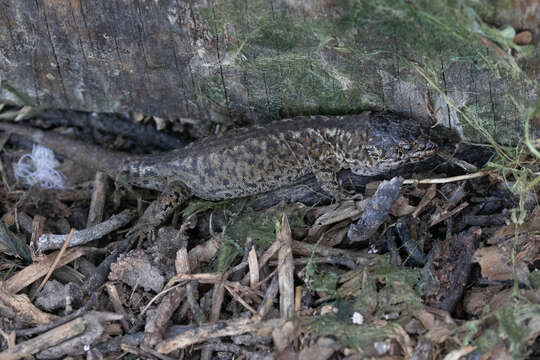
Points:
[(39, 168)]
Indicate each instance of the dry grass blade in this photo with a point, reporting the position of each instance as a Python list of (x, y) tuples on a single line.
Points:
[(448, 179)]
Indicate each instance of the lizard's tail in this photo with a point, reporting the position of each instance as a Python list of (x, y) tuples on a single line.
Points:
[(88, 155)]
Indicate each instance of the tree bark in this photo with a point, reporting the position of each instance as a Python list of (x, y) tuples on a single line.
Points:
[(258, 60)]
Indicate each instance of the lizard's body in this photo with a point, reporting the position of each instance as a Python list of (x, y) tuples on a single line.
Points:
[(253, 160)]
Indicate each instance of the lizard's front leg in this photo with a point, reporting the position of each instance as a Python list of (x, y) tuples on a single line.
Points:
[(175, 194), (329, 183)]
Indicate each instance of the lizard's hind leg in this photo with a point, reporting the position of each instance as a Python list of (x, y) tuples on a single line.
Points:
[(175, 194)]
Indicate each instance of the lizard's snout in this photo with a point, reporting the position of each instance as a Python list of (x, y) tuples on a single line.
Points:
[(431, 146), (424, 149)]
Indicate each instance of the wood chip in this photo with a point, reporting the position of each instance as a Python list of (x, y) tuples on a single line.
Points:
[(222, 328), (441, 216), (46, 340), (23, 309), (99, 197), (285, 269), (426, 200), (253, 265), (38, 269)]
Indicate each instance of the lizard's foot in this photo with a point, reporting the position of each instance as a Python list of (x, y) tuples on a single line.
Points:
[(174, 195), (330, 184)]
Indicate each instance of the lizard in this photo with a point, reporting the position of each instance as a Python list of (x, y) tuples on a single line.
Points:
[(248, 161)]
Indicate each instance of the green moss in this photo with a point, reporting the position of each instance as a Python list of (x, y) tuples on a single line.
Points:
[(384, 270), (534, 278), (296, 64), (513, 326), (509, 328), (358, 337), (487, 340), (259, 226)]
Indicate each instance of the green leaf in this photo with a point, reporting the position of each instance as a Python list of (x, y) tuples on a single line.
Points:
[(15, 245)]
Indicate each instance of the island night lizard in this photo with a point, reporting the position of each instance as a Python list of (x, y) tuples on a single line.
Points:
[(253, 160)]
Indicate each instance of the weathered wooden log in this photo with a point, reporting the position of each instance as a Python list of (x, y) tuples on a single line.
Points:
[(258, 60)]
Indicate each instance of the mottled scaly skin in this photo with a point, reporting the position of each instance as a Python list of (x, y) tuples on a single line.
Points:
[(253, 160)]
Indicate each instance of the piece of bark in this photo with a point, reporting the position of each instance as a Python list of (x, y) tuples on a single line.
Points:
[(263, 260), (77, 345), (114, 297), (44, 341), (206, 278), (54, 265), (376, 212), (135, 269), (426, 199), (196, 334), (285, 269), (90, 304), (56, 295), (218, 296), (104, 268), (270, 295), (450, 263), (68, 274), (22, 309), (236, 295), (114, 345), (183, 267), (38, 224), (414, 253), (204, 252), (51, 241), (496, 263), (156, 326), (446, 214), (141, 135), (36, 270), (97, 203)]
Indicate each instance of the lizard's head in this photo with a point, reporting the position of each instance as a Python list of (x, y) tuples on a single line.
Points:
[(393, 142)]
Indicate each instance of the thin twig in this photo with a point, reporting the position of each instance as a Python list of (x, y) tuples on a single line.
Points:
[(448, 179), (55, 263)]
